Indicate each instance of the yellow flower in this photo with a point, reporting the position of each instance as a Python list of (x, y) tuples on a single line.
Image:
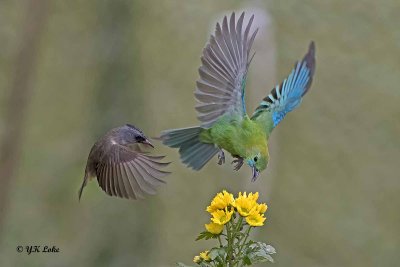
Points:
[(262, 208), (245, 204), (196, 259), (204, 255), (221, 201), (255, 219), (221, 217), (214, 228)]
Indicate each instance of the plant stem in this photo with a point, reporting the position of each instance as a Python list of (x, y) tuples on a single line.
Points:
[(220, 242), (245, 239), (229, 251), (242, 245), (237, 230)]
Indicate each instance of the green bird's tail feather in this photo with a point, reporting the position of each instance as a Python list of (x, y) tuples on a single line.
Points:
[(194, 153)]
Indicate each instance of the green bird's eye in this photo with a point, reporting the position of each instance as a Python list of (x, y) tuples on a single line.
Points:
[(255, 159)]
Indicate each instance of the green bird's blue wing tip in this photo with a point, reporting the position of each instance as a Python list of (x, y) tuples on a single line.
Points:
[(287, 96)]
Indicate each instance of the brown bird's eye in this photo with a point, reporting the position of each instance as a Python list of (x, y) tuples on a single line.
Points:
[(139, 138), (255, 159)]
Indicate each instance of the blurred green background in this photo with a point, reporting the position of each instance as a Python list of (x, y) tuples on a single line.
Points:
[(71, 70)]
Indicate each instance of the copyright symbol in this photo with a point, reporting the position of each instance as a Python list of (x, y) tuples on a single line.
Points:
[(20, 249)]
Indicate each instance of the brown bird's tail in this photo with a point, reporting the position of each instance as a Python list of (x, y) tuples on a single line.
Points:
[(83, 185)]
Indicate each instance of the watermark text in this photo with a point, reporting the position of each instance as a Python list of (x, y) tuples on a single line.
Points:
[(32, 249)]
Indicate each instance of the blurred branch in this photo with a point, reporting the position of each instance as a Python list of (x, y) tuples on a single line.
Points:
[(32, 29)]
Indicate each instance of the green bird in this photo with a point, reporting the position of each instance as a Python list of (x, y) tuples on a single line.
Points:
[(221, 107)]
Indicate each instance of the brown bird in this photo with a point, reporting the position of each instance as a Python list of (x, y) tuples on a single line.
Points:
[(122, 169)]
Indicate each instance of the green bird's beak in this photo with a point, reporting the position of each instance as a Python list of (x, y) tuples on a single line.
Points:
[(256, 173)]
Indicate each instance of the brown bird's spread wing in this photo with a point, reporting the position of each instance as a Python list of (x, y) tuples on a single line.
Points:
[(129, 174), (225, 61)]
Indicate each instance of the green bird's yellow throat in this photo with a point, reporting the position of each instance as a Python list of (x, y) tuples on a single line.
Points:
[(243, 138)]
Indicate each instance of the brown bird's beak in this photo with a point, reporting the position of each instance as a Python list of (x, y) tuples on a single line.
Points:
[(147, 142)]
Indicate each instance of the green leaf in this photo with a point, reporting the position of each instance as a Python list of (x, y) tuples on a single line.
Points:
[(201, 236), (246, 260), (269, 249), (216, 253), (206, 235), (213, 254), (269, 258), (260, 252), (239, 235)]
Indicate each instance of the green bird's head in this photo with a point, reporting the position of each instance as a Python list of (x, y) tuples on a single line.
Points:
[(257, 161)]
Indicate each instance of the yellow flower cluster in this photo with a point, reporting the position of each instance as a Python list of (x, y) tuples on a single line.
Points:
[(203, 256), (224, 204), (221, 210), (221, 201), (248, 207)]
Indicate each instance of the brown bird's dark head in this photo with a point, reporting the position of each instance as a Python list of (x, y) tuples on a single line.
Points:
[(129, 134)]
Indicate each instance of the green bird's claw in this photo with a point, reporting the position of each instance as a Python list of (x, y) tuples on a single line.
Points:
[(221, 157), (238, 162)]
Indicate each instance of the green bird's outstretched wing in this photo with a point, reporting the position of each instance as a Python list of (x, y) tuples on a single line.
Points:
[(225, 61), (287, 96)]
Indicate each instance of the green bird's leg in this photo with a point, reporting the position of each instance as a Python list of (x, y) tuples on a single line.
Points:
[(221, 157), (239, 163)]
